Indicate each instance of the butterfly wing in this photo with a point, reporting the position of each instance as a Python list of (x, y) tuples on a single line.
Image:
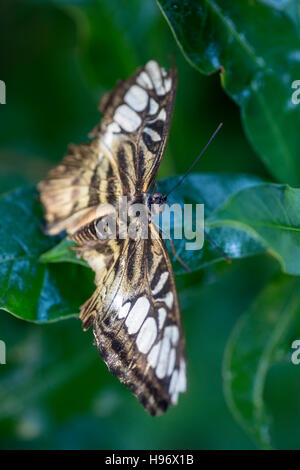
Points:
[(72, 191), (122, 158), (134, 310), (136, 121), (137, 325)]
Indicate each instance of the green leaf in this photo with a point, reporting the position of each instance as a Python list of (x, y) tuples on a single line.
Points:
[(29, 289), (269, 213), (256, 48), (254, 345), (62, 253), (211, 190)]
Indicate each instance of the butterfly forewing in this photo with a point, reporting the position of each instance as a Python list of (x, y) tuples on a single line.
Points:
[(123, 157), (136, 122), (134, 309)]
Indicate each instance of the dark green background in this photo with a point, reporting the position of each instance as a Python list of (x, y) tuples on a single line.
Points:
[(57, 59)]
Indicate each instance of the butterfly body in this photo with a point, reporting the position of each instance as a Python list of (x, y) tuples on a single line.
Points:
[(134, 310), (156, 199)]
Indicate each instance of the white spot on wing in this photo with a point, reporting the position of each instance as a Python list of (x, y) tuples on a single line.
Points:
[(136, 98), (172, 359), (162, 280), (178, 382), (173, 382), (117, 303), (124, 310), (153, 355), (162, 366), (137, 315), (167, 84), (173, 333), (162, 115), (168, 299), (162, 83), (181, 383), (144, 80), (174, 398), (147, 335), (153, 134), (128, 119), (162, 313), (154, 71), (153, 106)]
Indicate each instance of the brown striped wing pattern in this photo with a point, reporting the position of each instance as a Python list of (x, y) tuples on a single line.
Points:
[(134, 310)]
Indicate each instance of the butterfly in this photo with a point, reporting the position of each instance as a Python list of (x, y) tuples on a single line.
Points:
[(134, 310)]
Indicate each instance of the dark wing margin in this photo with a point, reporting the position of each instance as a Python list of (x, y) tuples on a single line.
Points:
[(137, 324)]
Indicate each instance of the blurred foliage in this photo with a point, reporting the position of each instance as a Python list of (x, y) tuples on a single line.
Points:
[(29, 289), (59, 58), (255, 46), (271, 212), (277, 311)]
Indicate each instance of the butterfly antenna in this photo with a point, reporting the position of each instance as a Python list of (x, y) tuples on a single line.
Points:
[(154, 187), (197, 159)]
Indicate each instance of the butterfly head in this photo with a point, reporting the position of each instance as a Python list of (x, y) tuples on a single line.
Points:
[(156, 199)]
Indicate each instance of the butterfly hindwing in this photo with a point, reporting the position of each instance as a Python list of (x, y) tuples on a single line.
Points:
[(137, 325)]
